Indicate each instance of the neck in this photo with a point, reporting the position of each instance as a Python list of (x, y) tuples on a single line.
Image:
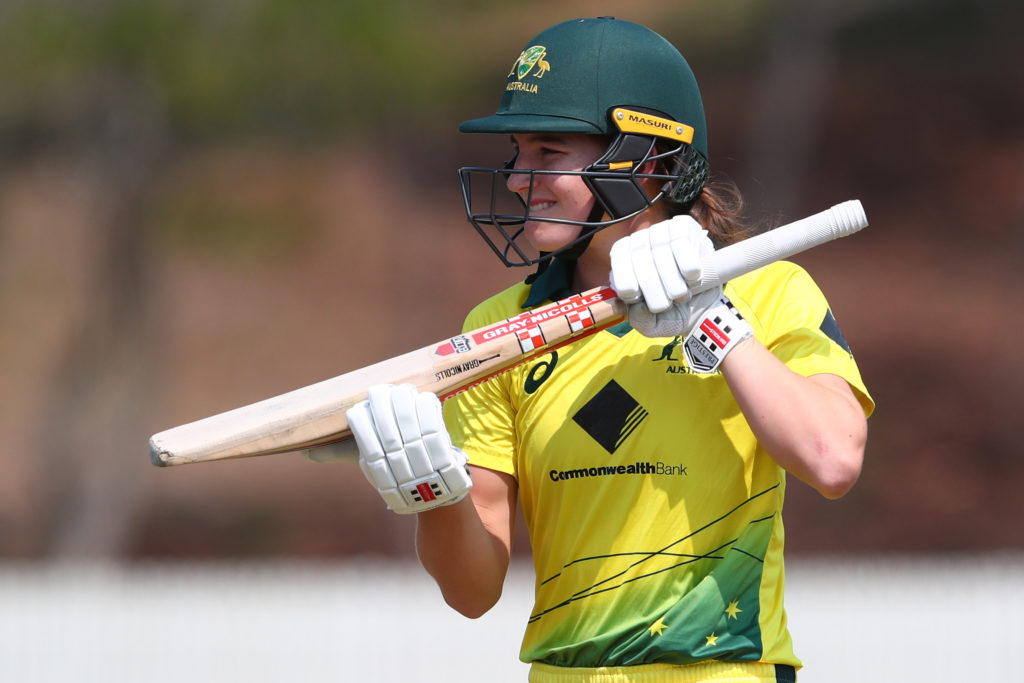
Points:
[(592, 270), (594, 266)]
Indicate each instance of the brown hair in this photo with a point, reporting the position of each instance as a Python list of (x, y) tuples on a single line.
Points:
[(718, 207), (719, 210)]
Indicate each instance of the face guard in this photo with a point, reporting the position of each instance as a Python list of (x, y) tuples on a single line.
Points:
[(647, 146)]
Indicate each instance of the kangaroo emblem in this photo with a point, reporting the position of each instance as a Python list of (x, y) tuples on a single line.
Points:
[(666, 351), (529, 58)]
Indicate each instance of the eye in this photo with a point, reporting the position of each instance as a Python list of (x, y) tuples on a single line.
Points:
[(549, 152)]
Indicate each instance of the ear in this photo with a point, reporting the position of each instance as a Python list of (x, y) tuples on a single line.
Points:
[(651, 185), (648, 166)]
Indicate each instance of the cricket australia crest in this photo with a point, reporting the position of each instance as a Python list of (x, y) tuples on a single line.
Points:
[(530, 62)]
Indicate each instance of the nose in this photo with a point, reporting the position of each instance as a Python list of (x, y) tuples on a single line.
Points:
[(516, 182)]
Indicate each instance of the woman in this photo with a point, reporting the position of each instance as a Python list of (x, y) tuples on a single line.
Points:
[(649, 462)]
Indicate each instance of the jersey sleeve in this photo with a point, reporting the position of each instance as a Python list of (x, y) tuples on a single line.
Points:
[(481, 422), (792, 318), (481, 419)]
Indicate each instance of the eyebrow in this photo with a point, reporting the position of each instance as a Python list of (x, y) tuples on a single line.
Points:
[(540, 138)]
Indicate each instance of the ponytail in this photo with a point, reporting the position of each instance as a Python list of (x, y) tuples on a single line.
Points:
[(719, 210)]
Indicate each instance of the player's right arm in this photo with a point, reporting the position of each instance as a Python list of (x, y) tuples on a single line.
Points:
[(465, 515), (466, 547)]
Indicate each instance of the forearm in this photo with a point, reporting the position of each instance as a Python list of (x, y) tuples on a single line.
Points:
[(813, 427), (466, 547)]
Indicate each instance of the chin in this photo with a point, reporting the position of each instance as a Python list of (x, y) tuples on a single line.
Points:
[(550, 236)]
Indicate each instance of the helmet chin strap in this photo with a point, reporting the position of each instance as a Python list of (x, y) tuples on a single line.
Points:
[(574, 252)]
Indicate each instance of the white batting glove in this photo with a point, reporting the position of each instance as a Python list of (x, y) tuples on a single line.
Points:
[(652, 270), (405, 450)]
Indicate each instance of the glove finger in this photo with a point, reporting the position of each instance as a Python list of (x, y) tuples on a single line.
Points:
[(430, 414), (647, 272), (382, 407), (456, 478), (661, 250), (360, 422), (687, 248), (400, 466), (457, 475), (379, 473), (404, 400), (384, 417), (623, 279), (372, 460), (435, 435)]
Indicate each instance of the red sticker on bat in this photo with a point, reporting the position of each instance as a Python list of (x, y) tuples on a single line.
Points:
[(530, 339), (579, 320), (458, 344)]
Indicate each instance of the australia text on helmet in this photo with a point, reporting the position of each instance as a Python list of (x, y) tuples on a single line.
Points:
[(529, 60)]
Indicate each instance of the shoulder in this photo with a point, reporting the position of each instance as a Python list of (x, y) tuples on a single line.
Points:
[(500, 306), (770, 279), (780, 299), (779, 289), (792, 317)]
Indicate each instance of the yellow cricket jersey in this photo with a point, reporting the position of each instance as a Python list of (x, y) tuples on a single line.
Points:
[(654, 515)]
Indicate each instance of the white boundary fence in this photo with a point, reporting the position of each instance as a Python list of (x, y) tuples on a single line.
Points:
[(853, 620)]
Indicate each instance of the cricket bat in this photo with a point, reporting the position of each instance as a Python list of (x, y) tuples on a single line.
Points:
[(315, 415)]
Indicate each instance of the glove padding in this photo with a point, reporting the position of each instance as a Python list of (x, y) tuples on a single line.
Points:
[(652, 270), (405, 450)]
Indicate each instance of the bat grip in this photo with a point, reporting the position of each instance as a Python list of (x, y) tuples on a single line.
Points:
[(758, 251)]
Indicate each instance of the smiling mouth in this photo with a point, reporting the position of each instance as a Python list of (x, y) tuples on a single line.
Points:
[(537, 206)]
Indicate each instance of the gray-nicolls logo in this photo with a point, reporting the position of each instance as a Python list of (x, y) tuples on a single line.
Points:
[(698, 356)]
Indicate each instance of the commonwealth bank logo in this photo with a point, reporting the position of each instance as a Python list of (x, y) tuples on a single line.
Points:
[(611, 416)]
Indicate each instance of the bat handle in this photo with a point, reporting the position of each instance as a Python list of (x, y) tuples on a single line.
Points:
[(758, 251)]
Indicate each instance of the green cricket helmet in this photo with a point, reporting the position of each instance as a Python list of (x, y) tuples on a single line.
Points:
[(605, 77)]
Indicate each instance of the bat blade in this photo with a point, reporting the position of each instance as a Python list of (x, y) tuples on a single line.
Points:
[(315, 415)]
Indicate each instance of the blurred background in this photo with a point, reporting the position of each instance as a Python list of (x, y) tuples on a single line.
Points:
[(204, 204)]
